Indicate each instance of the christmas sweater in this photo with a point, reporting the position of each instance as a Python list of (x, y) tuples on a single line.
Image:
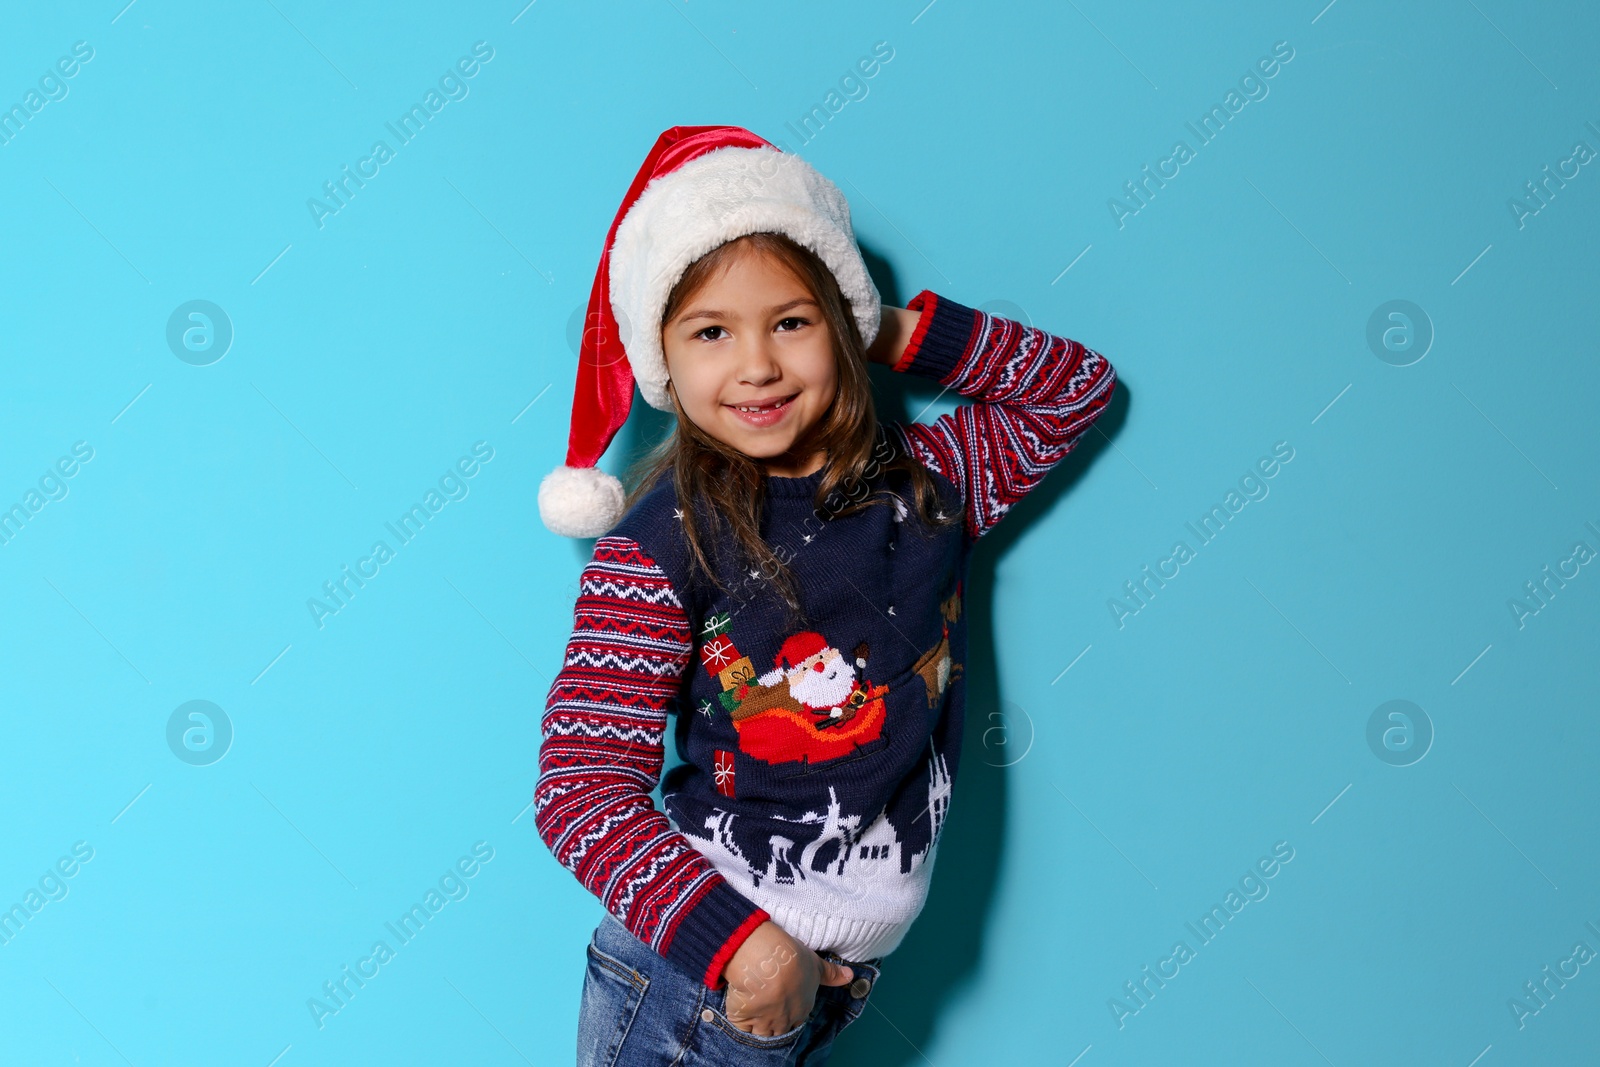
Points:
[(818, 763)]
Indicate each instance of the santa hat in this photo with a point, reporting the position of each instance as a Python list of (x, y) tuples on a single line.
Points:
[(799, 648), (700, 187)]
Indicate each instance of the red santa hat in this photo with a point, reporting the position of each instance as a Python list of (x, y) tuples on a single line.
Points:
[(700, 187), (799, 648)]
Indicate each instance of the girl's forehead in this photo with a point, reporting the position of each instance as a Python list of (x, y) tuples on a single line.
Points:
[(751, 264), (748, 274), (739, 258)]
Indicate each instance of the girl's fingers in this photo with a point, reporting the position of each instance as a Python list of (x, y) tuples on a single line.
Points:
[(834, 973)]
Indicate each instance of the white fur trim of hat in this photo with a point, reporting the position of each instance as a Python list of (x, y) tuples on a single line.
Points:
[(708, 202)]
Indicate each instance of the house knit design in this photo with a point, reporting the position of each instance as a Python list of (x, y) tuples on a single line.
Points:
[(818, 761)]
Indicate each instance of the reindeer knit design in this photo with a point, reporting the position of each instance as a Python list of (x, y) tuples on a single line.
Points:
[(818, 763)]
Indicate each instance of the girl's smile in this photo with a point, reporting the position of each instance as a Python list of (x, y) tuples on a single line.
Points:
[(766, 412), (752, 363)]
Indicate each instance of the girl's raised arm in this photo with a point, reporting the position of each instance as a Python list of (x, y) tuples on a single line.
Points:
[(1037, 393), (602, 753)]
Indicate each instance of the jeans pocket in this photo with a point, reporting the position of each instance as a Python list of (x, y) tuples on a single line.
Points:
[(852, 998), (727, 1040), (612, 993)]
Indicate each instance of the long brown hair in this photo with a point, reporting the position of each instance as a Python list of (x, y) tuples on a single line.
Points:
[(732, 485)]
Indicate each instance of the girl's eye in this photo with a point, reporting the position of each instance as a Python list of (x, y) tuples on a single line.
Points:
[(795, 318), (701, 333)]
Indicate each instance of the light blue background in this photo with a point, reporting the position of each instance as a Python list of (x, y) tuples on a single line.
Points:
[(1099, 808)]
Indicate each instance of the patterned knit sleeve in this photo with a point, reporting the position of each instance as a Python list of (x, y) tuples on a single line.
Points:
[(1037, 394), (602, 754)]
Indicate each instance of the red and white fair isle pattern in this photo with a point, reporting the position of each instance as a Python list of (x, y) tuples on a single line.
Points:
[(1040, 394), (602, 755)]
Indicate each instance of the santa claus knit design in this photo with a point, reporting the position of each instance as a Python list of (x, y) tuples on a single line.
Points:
[(819, 763)]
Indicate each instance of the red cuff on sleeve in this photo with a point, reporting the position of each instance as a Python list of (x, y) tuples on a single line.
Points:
[(925, 302), (719, 962)]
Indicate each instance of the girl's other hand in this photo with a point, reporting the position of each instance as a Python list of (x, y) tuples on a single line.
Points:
[(773, 980), (894, 334)]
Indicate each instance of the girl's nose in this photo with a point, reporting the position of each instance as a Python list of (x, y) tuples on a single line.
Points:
[(757, 365)]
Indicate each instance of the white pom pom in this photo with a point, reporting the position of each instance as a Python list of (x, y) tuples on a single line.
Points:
[(580, 501)]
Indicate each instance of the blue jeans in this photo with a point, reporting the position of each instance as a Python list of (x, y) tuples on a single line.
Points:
[(641, 1011)]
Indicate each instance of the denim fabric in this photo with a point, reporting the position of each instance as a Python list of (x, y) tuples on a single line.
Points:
[(641, 1011)]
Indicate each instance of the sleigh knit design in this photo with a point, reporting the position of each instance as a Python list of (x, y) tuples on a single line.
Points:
[(770, 815)]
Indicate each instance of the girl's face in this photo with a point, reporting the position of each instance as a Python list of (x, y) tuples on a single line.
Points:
[(754, 337)]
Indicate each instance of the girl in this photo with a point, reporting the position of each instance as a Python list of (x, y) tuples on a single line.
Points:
[(786, 574)]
